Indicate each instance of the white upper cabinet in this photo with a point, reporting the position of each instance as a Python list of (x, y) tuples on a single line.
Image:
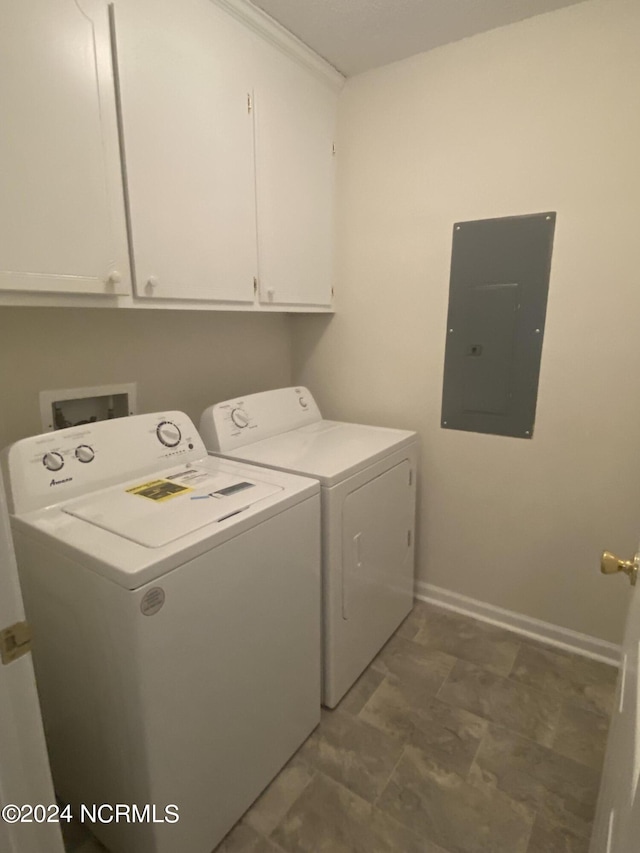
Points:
[(186, 96), (62, 220), (203, 121), (295, 131)]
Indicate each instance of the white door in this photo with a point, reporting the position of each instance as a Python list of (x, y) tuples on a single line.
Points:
[(295, 131), (617, 824), (186, 85), (62, 216), (24, 765)]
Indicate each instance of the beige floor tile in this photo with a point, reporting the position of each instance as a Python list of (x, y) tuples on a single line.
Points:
[(518, 707), (244, 839), (582, 735), (448, 734), (269, 809), (548, 837), (556, 787), (413, 663), (353, 752), (485, 645), (585, 682), (439, 805), (328, 818)]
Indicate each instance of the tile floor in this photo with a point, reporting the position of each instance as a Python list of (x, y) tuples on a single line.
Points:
[(459, 738)]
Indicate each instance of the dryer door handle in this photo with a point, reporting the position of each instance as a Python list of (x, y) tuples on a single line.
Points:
[(357, 563)]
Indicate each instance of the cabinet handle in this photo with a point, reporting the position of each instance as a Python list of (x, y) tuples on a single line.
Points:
[(114, 277), (152, 283)]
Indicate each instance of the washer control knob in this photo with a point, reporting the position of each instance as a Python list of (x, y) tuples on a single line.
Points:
[(240, 418), (168, 434), (303, 402), (84, 453), (52, 461)]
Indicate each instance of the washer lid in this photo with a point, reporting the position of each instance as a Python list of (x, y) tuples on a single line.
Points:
[(161, 509), (330, 451)]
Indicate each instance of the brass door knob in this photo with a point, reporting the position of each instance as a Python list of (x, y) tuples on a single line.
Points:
[(610, 565)]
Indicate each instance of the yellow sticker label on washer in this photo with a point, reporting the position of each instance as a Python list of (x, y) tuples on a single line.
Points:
[(159, 490)]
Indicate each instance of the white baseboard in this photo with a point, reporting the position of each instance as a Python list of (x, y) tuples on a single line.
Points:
[(544, 632)]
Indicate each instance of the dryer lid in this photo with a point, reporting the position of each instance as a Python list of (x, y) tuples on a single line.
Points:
[(158, 510), (329, 451)]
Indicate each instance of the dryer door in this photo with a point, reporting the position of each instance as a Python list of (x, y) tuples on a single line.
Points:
[(377, 565)]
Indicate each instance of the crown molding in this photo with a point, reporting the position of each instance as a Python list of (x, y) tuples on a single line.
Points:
[(272, 31)]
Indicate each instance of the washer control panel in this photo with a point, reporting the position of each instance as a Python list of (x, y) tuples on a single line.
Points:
[(46, 469), (234, 423)]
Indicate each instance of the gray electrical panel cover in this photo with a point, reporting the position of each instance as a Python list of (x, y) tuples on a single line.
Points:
[(497, 304)]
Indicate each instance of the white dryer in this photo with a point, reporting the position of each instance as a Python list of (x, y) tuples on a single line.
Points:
[(368, 486), (174, 600)]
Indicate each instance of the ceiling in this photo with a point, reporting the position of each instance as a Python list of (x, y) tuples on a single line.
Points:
[(356, 35)]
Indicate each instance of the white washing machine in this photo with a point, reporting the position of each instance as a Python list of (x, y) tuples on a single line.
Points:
[(368, 486), (174, 600)]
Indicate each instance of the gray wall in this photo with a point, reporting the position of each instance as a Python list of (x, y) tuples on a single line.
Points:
[(540, 115), (182, 360)]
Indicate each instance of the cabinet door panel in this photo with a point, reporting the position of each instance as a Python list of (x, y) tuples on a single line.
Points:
[(62, 222), (188, 136), (295, 123)]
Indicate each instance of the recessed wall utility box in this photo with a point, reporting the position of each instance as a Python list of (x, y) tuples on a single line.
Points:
[(75, 406), (497, 307)]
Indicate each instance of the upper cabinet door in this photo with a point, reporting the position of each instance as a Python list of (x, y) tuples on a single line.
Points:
[(62, 220), (295, 132), (186, 98)]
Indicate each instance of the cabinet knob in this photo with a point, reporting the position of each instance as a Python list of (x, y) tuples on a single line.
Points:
[(152, 283), (114, 277), (270, 294)]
